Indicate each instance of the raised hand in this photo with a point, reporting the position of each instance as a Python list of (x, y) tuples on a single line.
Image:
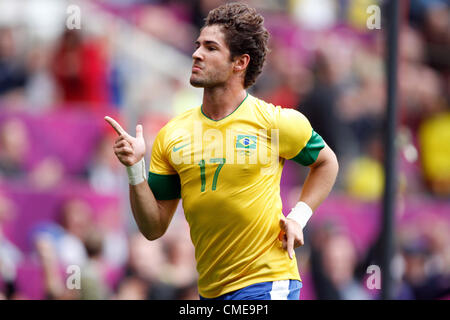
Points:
[(128, 149)]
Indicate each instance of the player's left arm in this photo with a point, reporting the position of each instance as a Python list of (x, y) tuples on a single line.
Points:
[(318, 184), (321, 178), (300, 143)]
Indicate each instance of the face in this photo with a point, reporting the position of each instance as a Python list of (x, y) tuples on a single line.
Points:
[(211, 60)]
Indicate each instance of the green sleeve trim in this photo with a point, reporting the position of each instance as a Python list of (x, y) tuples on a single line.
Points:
[(308, 155), (165, 187)]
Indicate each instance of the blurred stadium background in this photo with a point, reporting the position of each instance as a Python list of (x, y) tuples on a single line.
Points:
[(64, 196)]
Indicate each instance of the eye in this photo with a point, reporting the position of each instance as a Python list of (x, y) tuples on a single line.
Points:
[(211, 48)]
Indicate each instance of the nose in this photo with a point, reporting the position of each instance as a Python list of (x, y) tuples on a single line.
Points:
[(196, 55)]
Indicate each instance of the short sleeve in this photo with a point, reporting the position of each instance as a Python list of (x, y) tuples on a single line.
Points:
[(159, 162), (163, 179), (297, 139)]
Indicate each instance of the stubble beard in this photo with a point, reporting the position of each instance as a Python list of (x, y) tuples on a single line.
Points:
[(197, 83), (200, 82), (208, 80)]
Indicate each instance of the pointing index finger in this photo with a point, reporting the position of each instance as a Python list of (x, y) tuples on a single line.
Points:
[(290, 246), (116, 126)]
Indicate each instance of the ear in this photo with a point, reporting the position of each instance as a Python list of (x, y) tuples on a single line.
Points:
[(241, 63)]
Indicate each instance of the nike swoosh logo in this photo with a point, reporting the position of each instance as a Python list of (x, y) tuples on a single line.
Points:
[(175, 149)]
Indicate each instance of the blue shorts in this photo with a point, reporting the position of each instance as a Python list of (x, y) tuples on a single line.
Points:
[(272, 290)]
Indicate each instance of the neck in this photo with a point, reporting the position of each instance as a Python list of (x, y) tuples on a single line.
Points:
[(219, 102)]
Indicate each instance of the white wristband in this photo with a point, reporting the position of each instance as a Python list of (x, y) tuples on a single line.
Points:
[(137, 173), (300, 213)]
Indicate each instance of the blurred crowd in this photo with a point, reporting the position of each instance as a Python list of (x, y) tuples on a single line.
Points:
[(324, 62)]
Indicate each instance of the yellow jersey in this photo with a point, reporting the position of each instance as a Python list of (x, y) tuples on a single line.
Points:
[(227, 173)]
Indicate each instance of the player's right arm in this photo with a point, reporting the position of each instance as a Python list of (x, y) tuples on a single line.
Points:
[(151, 215)]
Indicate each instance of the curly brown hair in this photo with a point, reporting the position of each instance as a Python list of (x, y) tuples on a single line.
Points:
[(244, 33)]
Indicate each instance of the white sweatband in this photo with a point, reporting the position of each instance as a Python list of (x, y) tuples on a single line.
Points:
[(300, 213), (137, 173)]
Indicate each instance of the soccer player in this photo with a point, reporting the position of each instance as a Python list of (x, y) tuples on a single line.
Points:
[(224, 160)]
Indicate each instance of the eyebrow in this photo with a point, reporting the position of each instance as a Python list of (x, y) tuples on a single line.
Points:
[(208, 42)]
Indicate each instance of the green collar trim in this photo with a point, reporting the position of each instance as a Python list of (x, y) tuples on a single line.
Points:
[(201, 109)]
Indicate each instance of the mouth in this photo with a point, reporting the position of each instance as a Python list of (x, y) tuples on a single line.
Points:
[(196, 68)]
